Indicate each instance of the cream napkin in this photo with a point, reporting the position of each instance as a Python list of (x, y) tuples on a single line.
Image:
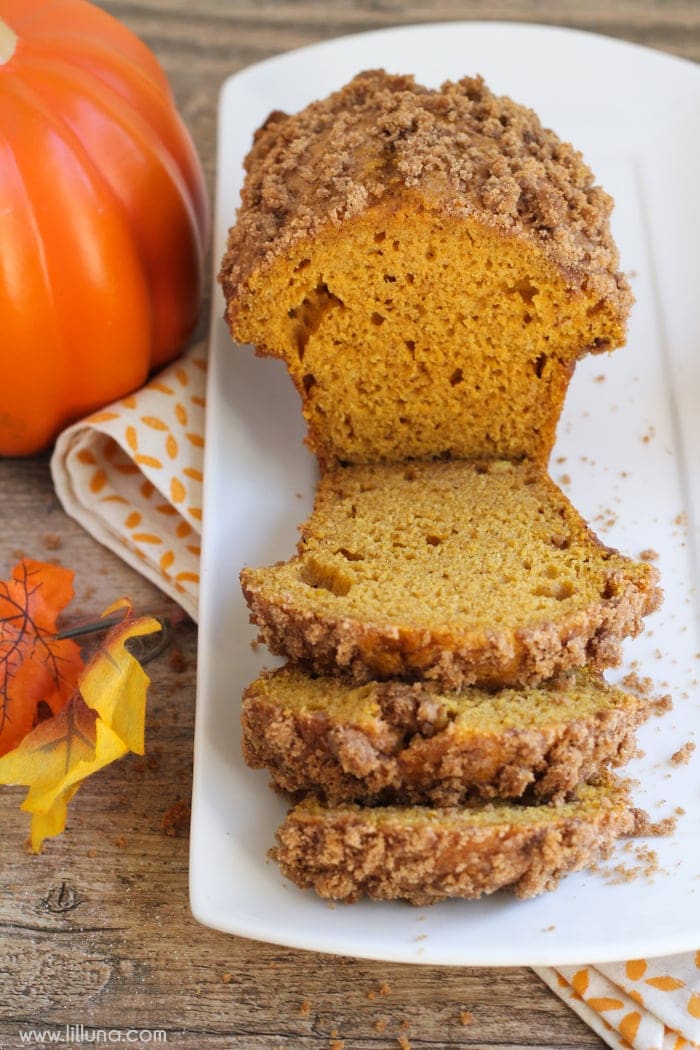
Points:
[(132, 476), (646, 1004)]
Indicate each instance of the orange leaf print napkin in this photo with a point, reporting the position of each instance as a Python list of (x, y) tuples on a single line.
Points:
[(646, 1004), (131, 475)]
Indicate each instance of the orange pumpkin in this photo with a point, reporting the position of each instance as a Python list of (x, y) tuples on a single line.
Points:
[(103, 218)]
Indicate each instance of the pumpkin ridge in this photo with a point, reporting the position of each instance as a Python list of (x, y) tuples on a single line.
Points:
[(17, 404), (181, 165), (74, 383), (137, 126)]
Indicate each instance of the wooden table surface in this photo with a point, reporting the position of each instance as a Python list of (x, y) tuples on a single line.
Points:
[(96, 931)]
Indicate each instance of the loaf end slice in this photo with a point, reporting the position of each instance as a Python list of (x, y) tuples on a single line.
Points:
[(423, 855), (426, 855)]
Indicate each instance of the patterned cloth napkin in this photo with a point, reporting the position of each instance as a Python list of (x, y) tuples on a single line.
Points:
[(132, 476), (645, 1004)]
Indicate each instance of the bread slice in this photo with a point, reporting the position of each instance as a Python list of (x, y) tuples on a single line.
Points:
[(430, 264), (413, 744), (456, 572), (424, 855)]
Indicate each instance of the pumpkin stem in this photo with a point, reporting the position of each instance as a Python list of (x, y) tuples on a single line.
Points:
[(8, 42)]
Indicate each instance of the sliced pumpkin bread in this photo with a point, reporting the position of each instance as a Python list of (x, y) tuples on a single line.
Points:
[(430, 264), (424, 855), (454, 571), (409, 743)]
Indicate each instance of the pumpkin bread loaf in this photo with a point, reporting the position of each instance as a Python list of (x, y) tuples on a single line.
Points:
[(430, 264), (457, 572), (410, 743), (424, 855)]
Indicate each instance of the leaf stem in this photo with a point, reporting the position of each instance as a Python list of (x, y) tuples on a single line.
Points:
[(166, 614)]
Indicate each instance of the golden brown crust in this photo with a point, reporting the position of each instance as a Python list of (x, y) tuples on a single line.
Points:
[(413, 750), (497, 658), (426, 856), (471, 151)]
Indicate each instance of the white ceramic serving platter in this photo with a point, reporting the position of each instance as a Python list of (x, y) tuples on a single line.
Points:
[(629, 443)]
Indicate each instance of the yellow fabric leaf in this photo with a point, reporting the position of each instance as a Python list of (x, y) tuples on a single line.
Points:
[(115, 684), (49, 811), (102, 721)]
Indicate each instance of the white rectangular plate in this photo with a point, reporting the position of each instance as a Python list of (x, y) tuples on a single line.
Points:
[(629, 443)]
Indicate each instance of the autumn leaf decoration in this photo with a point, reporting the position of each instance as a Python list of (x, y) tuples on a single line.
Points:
[(60, 720)]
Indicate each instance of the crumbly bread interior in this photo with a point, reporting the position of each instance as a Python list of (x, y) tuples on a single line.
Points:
[(417, 335), (429, 264), (404, 569)]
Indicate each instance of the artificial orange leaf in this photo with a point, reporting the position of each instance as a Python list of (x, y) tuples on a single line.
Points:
[(102, 720), (35, 667)]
